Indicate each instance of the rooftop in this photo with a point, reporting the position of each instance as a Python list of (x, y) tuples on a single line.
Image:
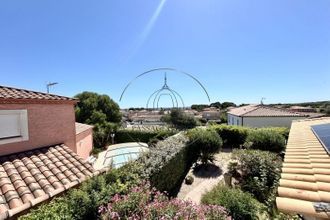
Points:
[(32, 177), (82, 127), (263, 111), (14, 95), (305, 178)]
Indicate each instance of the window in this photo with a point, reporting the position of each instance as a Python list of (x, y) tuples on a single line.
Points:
[(13, 126)]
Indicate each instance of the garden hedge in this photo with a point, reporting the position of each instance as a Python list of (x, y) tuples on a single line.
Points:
[(265, 139), (268, 138), (167, 163), (232, 136), (145, 136)]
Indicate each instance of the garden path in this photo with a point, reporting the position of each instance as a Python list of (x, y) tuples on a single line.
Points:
[(205, 179)]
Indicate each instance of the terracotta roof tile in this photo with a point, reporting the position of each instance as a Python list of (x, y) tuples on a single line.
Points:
[(32, 177), (305, 178), (10, 94), (263, 111)]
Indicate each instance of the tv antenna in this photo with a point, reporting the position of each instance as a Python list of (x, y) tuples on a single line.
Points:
[(262, 100), (50, 84)]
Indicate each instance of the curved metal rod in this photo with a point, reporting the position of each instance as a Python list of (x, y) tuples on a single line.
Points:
[(165, 69), (167, 94), (179, 96), (152, 96), (154, 102), (176, 100), (168, 89)]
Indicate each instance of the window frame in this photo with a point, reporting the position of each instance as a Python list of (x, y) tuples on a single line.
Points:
[(23, 123)]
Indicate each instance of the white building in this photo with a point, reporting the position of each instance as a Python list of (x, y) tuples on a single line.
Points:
[(262, 116)]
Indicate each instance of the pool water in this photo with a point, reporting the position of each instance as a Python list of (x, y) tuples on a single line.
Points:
[(118, 155)]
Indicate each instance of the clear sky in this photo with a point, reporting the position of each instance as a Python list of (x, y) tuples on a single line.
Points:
[(240, 50)]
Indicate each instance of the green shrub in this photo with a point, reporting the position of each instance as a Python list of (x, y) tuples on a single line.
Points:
[(57, 209), (146, 136), (232, 136), (102, 134), (240, 205), (265, 139), (280, 130), (204, 143), (260, 172), (167, 163)]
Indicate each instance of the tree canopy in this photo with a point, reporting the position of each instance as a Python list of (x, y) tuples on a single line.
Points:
[(100, 111), (179, 119), (93, 108)]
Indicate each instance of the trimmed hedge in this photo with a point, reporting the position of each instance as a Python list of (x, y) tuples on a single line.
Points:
[(265, 139), (240, 205), (203, 144), (268, 138), (232, 136), (167, 163), (125, 135)]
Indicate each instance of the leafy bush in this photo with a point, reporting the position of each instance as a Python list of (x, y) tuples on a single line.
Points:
[(167, 163), (233, 136), (204, 143), (102, 134), (260, 172), (284, 131), (146, 136), (265, 139), (57, 209), (240, 205), (149, 204)]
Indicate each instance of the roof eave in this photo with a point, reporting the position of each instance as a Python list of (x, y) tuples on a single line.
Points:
[(37, 101)]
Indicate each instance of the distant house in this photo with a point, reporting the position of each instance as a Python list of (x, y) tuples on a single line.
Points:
[(305, 180), (211, 115), (262, 116), (39, 154), (302, 109)]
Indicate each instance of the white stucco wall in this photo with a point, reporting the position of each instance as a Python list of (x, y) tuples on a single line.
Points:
[(234, 120), (269, 121)]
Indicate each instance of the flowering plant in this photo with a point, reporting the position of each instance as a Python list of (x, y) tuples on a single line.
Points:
[(147, 203)]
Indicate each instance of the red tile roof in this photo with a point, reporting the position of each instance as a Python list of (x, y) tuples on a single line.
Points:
[(263, 111), (8, 95), (32, 177), (305, 178)]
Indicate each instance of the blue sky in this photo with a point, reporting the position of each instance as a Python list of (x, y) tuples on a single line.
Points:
[(240, 50)]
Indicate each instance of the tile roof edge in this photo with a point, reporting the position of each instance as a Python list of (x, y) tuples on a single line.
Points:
[(293, 206), (43, 93), (252, 110), (257, 106), (21, 210), (37, 101)]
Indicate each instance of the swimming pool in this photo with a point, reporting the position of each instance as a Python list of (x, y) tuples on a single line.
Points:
[(119, 154)]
